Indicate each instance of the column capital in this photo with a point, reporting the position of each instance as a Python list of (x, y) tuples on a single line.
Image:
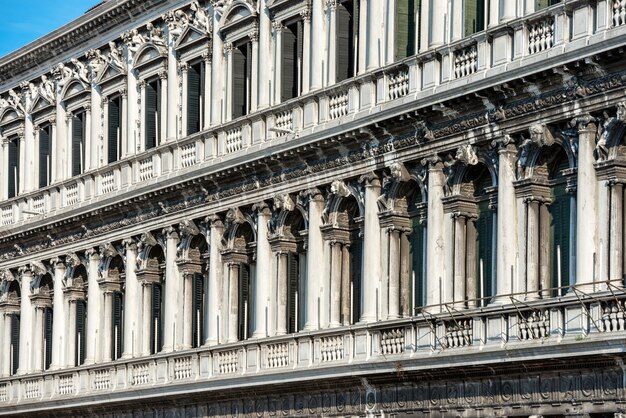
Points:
[(433, 162), (170, 232), (254, 34), (228, 47), (214, 221), (584, 123), (57, 263), (370, 180), (262, 208), (129, 244), (277, 26), (306, 13), (123, 92), (92, 254), (331, 5), (183, 66)]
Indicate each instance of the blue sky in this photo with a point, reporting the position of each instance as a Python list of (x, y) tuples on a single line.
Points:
[(26, 20)]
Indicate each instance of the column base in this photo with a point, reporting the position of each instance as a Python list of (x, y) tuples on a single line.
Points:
[(210, 342), (259, 334)]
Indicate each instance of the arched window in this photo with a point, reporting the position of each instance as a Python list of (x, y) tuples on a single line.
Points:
[(79, 283), (198, 256), (116, 274), (155, 268), (296, 269), (348, 218), (485, 237), (47, 284)]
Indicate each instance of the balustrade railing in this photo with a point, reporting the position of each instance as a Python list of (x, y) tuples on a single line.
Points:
[(72, 194), (101, 379), (228, 361), (4, 392), (188, 155), (541, 35), (458, 333), (182, 368), (7, 215), (234, 139), (146, 169), (32, 388), (338, 105), (107, 182), (331, 348), (534, 325), (398, 84), (277, 355), (613, 317), (619, 12), (141, 374), (283, 122), (65, 384), (465, 61), (392, 341)]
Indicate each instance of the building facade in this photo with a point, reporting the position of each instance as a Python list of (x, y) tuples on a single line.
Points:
[(316, 208)]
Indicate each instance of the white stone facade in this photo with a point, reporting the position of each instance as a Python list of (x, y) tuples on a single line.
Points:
[(316, 208)]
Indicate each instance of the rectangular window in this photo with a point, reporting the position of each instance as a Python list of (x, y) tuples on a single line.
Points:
[(560, 211), (195, 97), (117, 326), (114, 130), (14, 166), (15, 343), (198, 310), (45, 154), (244, 301), (152, 116), (78, 144), (417, 255), (484, 246), (347, 33), (542, 4), (47, 338), (156, 343), (81, 328), (474, 16), (405, 27), (356, 263), (291, 60), (242, 73)]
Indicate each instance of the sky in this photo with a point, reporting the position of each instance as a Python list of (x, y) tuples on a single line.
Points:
[(26, 20)]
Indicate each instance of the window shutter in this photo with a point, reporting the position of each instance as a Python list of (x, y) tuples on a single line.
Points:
[(47, 336), (484, 244), (345, 41), (302, 289), (44, 156), (542, 4), (240, 66), (356, 260), (560, 211), (198, 310), (244, 298), (81, 319), (150, 118), (292, 284), (156, 334), (117, 325), (289, 63), (405, 28), (77, 144), (474, 16), (113, 128), (193, 99), (15, 342), (14, 166), (417, 257)]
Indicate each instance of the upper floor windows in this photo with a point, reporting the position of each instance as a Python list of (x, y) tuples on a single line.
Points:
[(195, 97), (241, 86), (475, 16), (152, 117), (114, 129), (405, 28), (45, 154), (291, 60), (77, 135), (542, 4), (13, 145), (347, 30)]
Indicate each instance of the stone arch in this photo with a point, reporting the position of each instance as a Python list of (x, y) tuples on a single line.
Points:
[(113, 268), (73, 88), (538, 155), (405, 194), (459, 180), (237, 10), (147, 53), (240, 229), (8, 115), (341, 193), (196, 248)]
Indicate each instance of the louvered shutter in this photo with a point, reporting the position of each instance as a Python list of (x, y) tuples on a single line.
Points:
[(198, 309), (240, 66), (15, 342), (405, 28), (416, 244), (244, 298), (289, 63), (44, 156), (116, 326), (14, 166), (81, 322), (156, 335), (484, 245), (302, 289), (78, 131), (345, 41), (113, 130), (47, 336), (474, 16), (356, 260), (193, 99), (560, 211), (292, 284), (150, 118)]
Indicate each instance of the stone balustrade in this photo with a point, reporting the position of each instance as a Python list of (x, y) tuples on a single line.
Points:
[(600, 319)]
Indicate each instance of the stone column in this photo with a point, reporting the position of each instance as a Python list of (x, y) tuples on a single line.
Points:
[(435, 233), (59, 146), (460, 255), (70, 332), (263, 271), (586, 207), (53, 156), (169, 103), (188, 312), (306, 50), (216, 274), (124, 125), (616, 235), (30, 134), (532, 248), (59, 334), (494, 13), (278, 29), (132, 304), (146, 305), (508, 11), (345, 285), (471, 259), (107, 334), (265, 45), (394, 273), (37, 351), (26, 325), (438, 23), (172, 321), (506, 248), (281, 290), (318, 43), (218, 82), (86, 155), (315, 253), (361, 15), (131, 111), (228, 88), (544, 250), (5, 356), (254, 77), (457, 20), (69, 156), (371, 243), (21, 184), (206, 99), (4, 176), (141, 145), (233, 318), (332, 45), (375, 33), (184, 69), (406, 287), (335, 282), (93, 352)]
